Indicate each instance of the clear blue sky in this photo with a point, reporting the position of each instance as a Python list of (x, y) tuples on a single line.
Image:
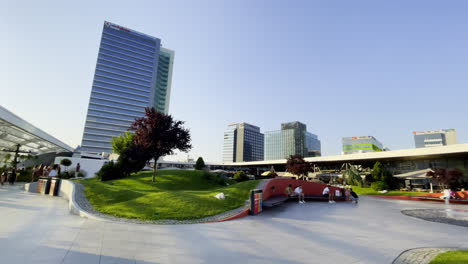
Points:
[(345, 68)]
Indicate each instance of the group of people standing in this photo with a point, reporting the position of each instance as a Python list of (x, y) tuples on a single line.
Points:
[(347, 193), (45, 171), (8, 175)]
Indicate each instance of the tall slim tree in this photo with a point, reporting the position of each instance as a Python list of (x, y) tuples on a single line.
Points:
[(159, 135), (298, 166)]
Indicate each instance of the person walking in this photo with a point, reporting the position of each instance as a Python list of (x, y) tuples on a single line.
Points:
[(78, 167), (3, 177), (12, 176)]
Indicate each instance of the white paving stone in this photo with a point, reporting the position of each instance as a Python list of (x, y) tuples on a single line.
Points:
[(39, 229)]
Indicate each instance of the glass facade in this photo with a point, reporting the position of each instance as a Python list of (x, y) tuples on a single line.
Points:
[(242, 142), (128, 78), (363, 144), (292, 139), (229, 145)]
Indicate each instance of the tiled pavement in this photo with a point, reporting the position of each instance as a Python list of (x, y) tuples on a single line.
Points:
[(39, 229)]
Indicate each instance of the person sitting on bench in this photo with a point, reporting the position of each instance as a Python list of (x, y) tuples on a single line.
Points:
[(327, 193), (354, 196), (289, 191), (299, 193)]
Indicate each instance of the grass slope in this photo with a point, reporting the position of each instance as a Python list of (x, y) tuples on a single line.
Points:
[(177, 194), (370, 191), (451, 257)]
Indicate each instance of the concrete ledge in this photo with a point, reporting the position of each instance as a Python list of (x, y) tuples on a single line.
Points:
[(67, 191), (31, 187)]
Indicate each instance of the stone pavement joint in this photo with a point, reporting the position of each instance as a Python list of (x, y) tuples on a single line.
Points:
[(420, 255)]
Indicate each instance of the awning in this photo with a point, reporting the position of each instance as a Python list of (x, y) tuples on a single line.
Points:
[(415, 175), (16, 131)]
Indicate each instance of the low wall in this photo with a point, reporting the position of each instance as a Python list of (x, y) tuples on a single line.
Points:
[(67, 191), (309, 188), (460, 195), (31, 187)]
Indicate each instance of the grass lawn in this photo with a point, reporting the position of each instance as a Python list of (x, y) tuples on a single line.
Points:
[(176, 194), (451, 257), (370, 191)]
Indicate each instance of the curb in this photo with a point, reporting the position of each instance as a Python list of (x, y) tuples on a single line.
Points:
[(68, 192)]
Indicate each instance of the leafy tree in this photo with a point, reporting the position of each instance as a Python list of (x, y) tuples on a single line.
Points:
[(298, 166), (200, 164), (121, 143), (66, 163), (446, 178), (380, 173), (240, 176), (159, 135), (132, 159)]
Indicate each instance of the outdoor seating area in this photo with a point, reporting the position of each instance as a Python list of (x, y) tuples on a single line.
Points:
[(274, 195)]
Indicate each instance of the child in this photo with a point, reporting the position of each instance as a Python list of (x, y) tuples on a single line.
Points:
[(347, 194)]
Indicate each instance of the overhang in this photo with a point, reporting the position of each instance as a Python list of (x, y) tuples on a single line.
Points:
[(404, 154), (15, 130)]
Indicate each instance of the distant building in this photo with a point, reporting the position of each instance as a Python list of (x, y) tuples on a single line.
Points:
[(292, 139), (242, 142), (435, 138), (362, 144), (132, 72)]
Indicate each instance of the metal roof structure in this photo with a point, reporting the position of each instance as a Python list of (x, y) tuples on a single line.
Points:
[(434, 152), (16, 131)]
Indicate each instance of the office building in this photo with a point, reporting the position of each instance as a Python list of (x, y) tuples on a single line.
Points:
[(362, 144), (132, 72), (435, 138), (292, 139), (242, 142)]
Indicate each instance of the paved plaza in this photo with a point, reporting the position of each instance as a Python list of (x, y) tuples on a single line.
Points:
[(39, 229)]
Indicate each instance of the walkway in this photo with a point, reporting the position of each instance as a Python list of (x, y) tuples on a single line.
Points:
[(39, 229)]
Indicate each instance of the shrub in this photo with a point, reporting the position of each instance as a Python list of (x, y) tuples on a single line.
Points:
[(240, 176), (24, 175), (110, 171), (64, 175), (81, 174), (215, 178), (379, 186)]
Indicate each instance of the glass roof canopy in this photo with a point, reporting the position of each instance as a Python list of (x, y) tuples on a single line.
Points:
[(15, 130)]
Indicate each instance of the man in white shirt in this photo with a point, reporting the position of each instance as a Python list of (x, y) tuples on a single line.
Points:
[(300, 194), (54, 171), (327, 193)]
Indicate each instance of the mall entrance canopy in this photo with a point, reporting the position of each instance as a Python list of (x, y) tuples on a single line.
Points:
[(16, 133)]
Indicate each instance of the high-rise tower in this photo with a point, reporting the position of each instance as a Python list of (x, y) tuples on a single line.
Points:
[(132, 72)]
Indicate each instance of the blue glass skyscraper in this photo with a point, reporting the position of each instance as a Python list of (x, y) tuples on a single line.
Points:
[(132, 72)]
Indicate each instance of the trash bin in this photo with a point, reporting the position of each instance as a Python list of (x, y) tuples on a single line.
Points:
[(43, 185), (54, 186), (256, 200)]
